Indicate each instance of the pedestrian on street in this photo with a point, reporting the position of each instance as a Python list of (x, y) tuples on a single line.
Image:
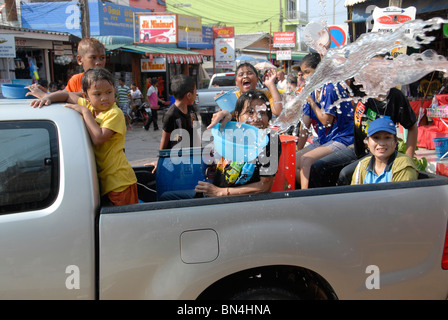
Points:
[(124, 99), (153, 101)]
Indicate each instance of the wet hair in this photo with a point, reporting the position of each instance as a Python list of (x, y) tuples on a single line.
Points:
[(94, 75), (311, 60), (246, 64), (43, 82), (181, 85), (86, 43), (248, 96)]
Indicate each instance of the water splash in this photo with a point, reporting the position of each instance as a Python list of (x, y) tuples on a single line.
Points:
[(355, 61), (317, 36)]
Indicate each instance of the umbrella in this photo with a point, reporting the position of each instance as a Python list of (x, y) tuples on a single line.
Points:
[(248, 58), (264, 66)]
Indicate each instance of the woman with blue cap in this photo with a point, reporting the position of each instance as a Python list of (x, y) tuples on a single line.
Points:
[(385, 164)]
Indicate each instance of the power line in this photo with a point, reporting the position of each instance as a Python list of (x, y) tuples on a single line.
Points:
[(188, 12)]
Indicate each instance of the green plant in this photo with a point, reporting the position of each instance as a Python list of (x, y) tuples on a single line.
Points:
[(421, 164)]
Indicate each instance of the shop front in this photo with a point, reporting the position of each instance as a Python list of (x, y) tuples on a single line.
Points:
[(37, 55), (157, 62)]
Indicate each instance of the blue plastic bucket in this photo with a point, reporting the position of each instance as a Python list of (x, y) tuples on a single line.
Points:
[(238, 141), (227, 101), (441, 147), (179, 169), (14, 91)]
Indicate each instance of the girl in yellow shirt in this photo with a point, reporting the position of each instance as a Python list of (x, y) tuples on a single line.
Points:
[(107, 129)]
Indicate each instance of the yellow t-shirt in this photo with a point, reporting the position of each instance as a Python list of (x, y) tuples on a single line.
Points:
[(114, 170), (266, 92)]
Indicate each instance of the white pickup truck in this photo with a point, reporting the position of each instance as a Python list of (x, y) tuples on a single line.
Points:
[(383, 241)]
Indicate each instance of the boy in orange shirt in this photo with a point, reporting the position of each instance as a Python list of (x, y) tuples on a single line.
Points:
[(91, 54)]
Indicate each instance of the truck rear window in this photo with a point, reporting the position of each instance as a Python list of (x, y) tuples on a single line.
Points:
[(224, 81), (29, 165)]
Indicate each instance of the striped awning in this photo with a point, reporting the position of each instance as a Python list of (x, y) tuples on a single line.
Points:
[(172, 54)]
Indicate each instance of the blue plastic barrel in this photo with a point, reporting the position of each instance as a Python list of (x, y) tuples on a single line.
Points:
[(179, 169)]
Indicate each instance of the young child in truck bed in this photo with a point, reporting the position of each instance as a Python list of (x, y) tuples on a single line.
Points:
[(107, 129)]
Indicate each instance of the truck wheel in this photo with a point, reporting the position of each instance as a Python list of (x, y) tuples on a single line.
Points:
[(265, 293)]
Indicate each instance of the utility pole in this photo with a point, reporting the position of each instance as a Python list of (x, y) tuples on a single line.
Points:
[(85, 18), (395, 3), (270, 40), (280, 28), (334, 11)]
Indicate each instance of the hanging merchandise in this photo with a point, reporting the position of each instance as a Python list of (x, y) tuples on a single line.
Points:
[(33, 70)]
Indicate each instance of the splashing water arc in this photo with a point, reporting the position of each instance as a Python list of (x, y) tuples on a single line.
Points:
[(376, 76)]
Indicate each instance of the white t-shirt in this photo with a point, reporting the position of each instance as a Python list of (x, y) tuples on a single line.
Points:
[(136, 96), (282, 84)]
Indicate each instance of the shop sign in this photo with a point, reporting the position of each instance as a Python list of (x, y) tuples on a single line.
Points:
[(160, 28), (223, 32), (207, 37), (7, 46), (189, 30), (225, 49), (283, 55), (284, 39), (388, 19), (224, 64), (156, 65), (106, 18)]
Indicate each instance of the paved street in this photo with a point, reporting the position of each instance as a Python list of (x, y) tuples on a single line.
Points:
[(142, 146)]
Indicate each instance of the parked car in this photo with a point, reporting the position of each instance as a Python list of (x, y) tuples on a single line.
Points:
[(377, 241)]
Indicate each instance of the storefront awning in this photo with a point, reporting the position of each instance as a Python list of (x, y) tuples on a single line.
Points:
[(172, 54), (295, 55)]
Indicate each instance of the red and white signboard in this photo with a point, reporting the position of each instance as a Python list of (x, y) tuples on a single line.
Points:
[(158, 28), (223, 32), (390, 18), (153, 65), (283, 55), (284, 39)]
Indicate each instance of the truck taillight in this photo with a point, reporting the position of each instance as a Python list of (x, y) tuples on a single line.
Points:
[(445, 252)]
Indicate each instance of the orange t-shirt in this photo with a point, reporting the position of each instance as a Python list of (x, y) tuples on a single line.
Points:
[(74, 84)]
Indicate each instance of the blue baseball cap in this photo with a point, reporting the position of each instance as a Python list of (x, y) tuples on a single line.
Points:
[(381, 124)]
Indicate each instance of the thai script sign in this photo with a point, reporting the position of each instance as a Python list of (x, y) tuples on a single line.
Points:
[(284, 39), (158, 28)]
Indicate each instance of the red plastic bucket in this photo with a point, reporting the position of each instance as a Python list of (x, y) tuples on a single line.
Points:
[(285, 179)]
